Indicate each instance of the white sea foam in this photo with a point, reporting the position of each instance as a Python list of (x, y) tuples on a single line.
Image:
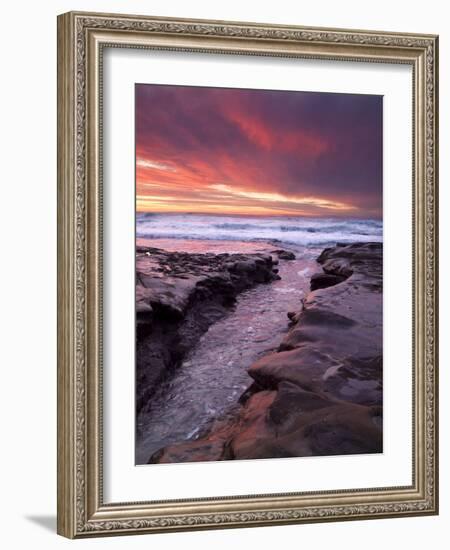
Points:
[(289, 230)]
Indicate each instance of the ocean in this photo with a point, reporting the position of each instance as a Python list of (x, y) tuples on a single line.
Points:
[(294, 231)]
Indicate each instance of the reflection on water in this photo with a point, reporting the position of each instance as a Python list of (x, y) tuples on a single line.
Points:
[(214, 375), (195, 246)]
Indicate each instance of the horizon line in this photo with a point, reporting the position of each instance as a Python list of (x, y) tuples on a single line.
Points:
[(252, 215)]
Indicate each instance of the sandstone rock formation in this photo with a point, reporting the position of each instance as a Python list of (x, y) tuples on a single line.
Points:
[(178, 296), (321, 392)]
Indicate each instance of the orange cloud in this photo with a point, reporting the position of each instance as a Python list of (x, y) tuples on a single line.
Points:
[(258, 152)]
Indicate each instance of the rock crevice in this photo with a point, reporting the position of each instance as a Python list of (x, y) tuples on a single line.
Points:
[(178, 296), (320, 393)]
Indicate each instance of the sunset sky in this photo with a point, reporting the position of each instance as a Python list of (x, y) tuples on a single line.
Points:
[(258, 152)]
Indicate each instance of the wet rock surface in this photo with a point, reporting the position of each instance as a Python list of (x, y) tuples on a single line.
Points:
[(212, 378), (178, 296), (320, 392)]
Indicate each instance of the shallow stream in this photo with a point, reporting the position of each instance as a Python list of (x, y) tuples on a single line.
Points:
[(213, 376)]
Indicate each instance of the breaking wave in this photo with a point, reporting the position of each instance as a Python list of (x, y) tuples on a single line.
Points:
[(289, 230)]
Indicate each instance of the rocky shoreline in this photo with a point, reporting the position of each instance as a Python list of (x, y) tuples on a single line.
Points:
[(178, 296), (320, 393)]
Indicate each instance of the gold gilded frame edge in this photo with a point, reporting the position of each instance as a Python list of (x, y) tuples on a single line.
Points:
[(81, 37)]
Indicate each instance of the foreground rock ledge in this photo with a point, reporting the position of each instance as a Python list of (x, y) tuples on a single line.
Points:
[(321, 392), (178, 296)]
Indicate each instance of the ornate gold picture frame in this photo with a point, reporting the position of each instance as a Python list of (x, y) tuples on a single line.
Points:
[(82, 41)]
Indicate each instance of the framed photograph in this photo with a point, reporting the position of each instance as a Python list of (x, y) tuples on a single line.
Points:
[(247, 274)]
